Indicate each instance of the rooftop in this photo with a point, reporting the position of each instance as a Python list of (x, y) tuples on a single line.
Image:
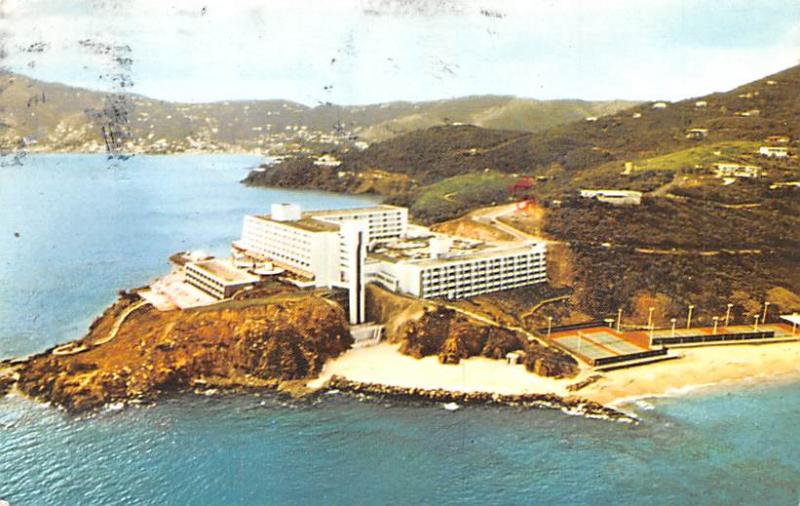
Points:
[(224, 271), (417, 250), (306, 223), (354, 210)]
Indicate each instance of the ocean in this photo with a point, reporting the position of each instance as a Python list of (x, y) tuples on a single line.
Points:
[(87, 227)]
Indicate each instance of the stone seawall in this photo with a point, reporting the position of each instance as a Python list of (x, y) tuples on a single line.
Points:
[(570, 405)]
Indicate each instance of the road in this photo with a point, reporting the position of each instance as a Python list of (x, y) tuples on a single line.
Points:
[(490, 215)]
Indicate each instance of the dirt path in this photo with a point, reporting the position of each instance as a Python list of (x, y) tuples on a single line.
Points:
[(71, 349), (542, 303), (119, 321)]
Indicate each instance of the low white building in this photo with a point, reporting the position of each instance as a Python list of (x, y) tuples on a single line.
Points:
[(218, 278), (697, 133), (774, 151), (615, 197), (701, 104), (727, 169), (327, 161), (660, 105)]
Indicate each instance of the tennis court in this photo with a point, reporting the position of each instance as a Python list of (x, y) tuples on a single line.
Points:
[(597, 344)]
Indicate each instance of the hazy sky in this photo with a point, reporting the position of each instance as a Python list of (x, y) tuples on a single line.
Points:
[(366, 51)]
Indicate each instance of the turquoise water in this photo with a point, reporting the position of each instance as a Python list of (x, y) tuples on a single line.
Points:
[(87, 230)]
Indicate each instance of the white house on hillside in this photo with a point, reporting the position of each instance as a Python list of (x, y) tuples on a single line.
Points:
[(774, 151)]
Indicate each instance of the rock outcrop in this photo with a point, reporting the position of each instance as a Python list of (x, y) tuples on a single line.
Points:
[(241, 344), (453, 336)]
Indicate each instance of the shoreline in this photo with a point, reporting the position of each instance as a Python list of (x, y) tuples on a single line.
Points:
[(699, 369), (143, 153), (584, 402), (711, 388)]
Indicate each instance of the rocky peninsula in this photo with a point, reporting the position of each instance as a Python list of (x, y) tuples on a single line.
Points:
[(264, 343), (276, 340)]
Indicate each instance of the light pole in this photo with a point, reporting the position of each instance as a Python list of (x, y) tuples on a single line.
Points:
[(619, 318), (673, 321), (650, 317), (549, 325), (651, 336), (764, 318), (728, 314), (755, 325), (794, 324), (689, 317), (716, 322)]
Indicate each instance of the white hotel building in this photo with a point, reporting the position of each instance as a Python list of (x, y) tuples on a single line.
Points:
[(456, 274), (322, 249), (349, 248)]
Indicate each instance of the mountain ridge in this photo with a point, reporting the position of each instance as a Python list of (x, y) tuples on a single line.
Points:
[(45, 116)]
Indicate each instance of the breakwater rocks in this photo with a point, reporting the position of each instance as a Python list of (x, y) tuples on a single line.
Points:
[(570, 405)]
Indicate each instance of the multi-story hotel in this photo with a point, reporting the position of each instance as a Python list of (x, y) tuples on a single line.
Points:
[(322, 249), (348, 248), (438, 266)]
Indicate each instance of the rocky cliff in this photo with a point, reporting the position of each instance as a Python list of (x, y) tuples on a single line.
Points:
[(241, 344), (453, 336)]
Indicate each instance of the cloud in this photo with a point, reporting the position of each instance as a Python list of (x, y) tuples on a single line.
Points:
[(359, 51)]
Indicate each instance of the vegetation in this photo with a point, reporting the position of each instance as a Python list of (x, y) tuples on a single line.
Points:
[(703, 156), (456, 195), (669, 223), (610, 278)]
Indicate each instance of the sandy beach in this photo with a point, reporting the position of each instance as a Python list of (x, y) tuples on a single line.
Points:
[(700, 367), (385, 365)]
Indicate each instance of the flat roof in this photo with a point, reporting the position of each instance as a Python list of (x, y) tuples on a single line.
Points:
[(793, 318), (306, 223), (224, 271), (421, 255), (355, 210), (309, 223)]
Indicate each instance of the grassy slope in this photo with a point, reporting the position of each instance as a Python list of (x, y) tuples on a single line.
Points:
[(455, 195)]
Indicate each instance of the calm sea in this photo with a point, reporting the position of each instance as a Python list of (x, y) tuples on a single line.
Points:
[(87, 228)]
